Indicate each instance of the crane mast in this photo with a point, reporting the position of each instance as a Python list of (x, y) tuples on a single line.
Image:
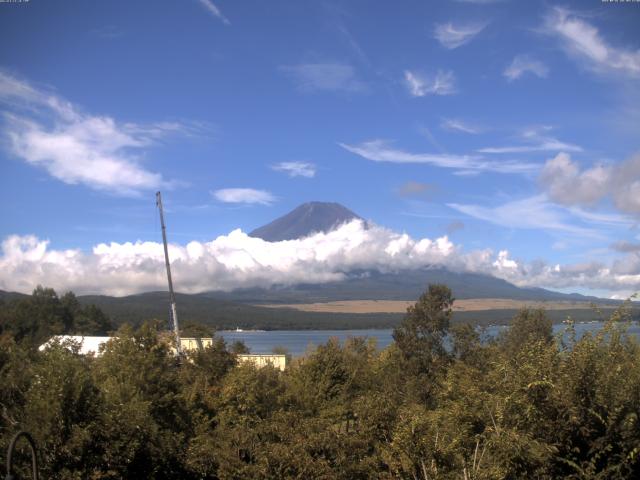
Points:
[(172, 296)]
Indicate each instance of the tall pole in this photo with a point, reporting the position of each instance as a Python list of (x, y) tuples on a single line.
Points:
[(172, 296)]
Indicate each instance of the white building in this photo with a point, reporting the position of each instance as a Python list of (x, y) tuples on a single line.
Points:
[(91, 345)]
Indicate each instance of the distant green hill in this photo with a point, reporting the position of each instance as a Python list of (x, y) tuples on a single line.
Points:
[(228, 310), (225, 314), (10, 295)]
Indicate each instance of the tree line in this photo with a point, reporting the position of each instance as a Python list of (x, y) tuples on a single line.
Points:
[(438, 403)]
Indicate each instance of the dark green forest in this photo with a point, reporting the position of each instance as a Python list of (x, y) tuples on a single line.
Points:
[(525, 405)]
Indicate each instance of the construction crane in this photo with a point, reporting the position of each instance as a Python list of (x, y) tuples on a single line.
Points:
[(172, 296)]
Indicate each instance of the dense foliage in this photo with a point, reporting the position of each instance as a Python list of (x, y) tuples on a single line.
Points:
[(34, 319), (436, 404)]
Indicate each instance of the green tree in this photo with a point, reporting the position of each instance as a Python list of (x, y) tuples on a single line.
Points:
[(202, 374), (420, 338), (62, 410), (466, 343), (248, 399), (195, 329), (528, 325), (238, 347), (145, 420), (15, 378), (90, 320), (34, 319)]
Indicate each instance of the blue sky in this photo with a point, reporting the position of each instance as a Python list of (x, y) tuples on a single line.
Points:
[(504, 126)]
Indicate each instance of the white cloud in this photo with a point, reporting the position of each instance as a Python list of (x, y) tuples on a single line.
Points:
[(562, 179), (618, 282), (231, 261), (380, 151), (453, 36), (332, 77), (522, 64), (566, 184), (442, 83), (460, 126), (244, 195), (583, 41), (625, 185), (49, 132), (214, 10), (296, 169), (239, 261), (537, 140), (503, 262)]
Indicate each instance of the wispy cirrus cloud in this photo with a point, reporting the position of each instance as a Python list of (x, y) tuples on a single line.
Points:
[(537, 140), (553, 145), (603, 219), (453, 36), (583, 41), (420, 85), (381, 151), (51, 133), (522, 64), (214, 10), (244, 195), (296, 169), (329, 77), (535, 213), (456, 125)]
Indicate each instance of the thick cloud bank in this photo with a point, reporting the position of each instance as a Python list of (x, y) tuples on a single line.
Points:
[(237, 260)]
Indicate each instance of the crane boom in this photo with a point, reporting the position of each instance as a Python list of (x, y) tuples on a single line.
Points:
[(172, 296)]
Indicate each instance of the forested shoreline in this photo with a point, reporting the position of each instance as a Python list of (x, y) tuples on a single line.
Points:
[(526, 405)]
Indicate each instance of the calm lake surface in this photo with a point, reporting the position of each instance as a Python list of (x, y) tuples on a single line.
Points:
[(297, 341)]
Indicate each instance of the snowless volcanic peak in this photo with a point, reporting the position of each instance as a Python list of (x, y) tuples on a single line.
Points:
[(308, 218)]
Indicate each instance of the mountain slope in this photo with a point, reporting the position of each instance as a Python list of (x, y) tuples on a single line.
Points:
[(403, 285), (308, 218), (8, 296), (222, 314)]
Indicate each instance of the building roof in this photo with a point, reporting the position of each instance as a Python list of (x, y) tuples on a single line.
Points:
[(88, 344), (91, 345)]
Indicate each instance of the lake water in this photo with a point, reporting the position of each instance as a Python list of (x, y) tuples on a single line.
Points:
[(297, 342)]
